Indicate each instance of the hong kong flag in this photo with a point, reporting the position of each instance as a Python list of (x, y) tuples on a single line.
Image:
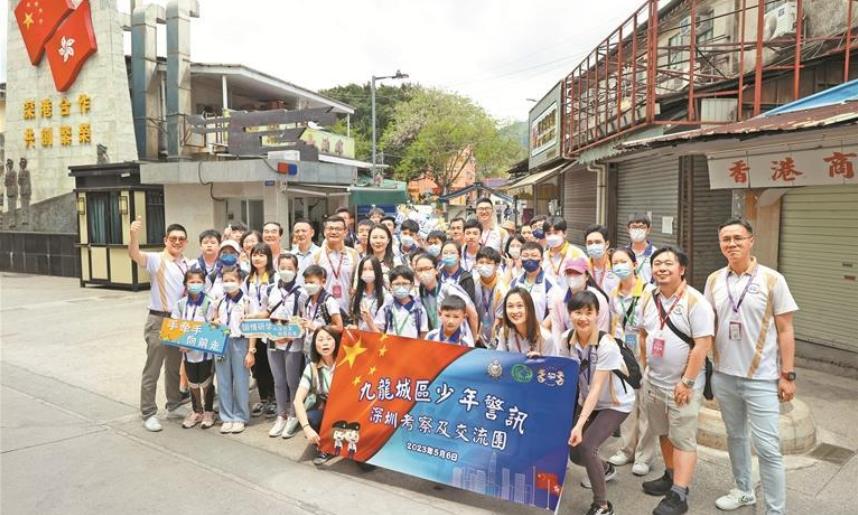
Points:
[(37, 21), (71, 45)]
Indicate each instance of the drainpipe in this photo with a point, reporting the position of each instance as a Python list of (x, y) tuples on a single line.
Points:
[(179, 14), (601, 171), (144, 83)]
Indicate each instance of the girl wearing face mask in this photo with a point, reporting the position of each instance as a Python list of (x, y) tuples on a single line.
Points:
[(511, 268), (453, 272), (521, 331), (286, 300), (370, 296), (228, 259), (577, 274), (257, 284), (638, 443), (199, 366), (233, 368), (434, 242), (600, 257)]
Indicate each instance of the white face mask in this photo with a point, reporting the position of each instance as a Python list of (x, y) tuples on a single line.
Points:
[(485, 271), (576, 282), (637, 235), (312, 288), (554, 240), (596, 250), (230, 287), (287, 275), (425, 277), (514, 252), (368, 277)]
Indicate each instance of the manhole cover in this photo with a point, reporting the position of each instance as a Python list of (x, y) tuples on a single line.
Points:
[(832, 453)]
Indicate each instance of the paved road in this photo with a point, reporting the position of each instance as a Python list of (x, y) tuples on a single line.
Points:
[(72, 442)]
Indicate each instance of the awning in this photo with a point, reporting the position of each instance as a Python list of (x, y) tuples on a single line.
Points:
[(521, 187), (364, 196)]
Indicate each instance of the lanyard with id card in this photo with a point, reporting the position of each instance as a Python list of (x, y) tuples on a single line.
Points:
[(658, 340), (735, 325)]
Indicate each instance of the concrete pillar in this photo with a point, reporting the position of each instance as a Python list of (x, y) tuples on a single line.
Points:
[(145, 90), (179, 13)]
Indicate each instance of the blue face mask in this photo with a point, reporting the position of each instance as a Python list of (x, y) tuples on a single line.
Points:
[(530, 265), (401, 292), (228, 259), (433, 249), (407, 240), (196, 288), (622, 270), (449, 260)]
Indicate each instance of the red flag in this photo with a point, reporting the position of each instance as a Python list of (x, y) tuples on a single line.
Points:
[(37, 21), (546, 481), (71, 45)]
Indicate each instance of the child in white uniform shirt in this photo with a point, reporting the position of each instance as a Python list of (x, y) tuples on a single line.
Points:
[(370, 296), (405, 316), (453, 328)]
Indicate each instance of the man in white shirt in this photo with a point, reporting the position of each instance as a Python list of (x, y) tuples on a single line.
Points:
[(304, 248), (754, 357), (338, 261), (557, 250), (492, 235), (167, 285), (677, 326)]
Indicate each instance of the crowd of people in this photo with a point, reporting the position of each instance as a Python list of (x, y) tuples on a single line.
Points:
[(642, 334)]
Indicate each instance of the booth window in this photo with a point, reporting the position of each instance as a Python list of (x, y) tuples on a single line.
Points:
[(103, 218), (155, 225)]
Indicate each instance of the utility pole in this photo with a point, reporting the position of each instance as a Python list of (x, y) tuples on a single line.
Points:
[(376, 175)]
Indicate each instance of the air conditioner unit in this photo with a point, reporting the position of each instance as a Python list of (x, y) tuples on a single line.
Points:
[(780, 22)]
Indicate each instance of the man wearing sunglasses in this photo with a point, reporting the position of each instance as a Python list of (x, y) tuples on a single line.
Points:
[(167, 276)]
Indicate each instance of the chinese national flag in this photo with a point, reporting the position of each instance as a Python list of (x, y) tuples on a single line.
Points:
[(37, 21), (71, 45), (546, 481)]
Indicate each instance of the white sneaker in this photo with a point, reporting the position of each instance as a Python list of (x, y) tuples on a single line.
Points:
[(226, 427), (619, 459), (237, 427), (640, 469), (152, 424), (735, 500), (277, 428), (291, 428)]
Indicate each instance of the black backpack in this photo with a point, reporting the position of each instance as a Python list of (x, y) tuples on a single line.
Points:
[(325, 315), (634, 376)]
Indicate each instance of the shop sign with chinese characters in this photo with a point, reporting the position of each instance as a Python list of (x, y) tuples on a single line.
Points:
[(51, 118), (812, 167)]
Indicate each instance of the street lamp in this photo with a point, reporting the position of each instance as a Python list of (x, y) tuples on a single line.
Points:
[(377, 177)]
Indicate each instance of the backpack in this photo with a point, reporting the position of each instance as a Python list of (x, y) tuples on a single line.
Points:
[(283, 299), (417, 311), (325, 315), (634, 377)]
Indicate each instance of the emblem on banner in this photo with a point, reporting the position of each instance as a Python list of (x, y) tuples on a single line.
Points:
[(522, 373), (495, 369)]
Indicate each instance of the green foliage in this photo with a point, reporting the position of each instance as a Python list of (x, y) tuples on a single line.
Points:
[(437, 134)]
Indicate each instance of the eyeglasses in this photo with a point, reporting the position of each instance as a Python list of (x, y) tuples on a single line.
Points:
[(484, 208), (177, 239), (737, 239)]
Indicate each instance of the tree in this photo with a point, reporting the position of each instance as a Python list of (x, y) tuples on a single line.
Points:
[(436, 135), (359, 97)]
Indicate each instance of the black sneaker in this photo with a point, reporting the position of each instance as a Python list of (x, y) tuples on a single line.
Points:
[(610, 473), (598, 509), (658, 487), (321, 458), (271, 409), (671, 505), (257, 409)]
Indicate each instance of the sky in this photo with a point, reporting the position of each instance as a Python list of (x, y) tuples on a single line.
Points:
[(497, 52)]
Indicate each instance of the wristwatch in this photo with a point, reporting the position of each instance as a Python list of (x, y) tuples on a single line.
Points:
[(789, 376), (252, 350), (688, 383)]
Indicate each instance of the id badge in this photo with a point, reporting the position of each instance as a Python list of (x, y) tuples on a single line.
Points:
[(631, 341), (735, 330), (337, 291), (658, 347)]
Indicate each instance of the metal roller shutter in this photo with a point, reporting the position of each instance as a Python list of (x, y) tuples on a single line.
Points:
[(648, 185), (579, 202), (819, 258), (708, 209)]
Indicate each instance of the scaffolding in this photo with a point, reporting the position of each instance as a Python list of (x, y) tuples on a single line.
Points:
[(661, 65)]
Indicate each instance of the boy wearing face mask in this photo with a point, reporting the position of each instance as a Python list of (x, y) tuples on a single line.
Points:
[(405, 316), (434, 242), (558, 250), (320, 308), (596, 237), (639, 227), (473, 232), (227, 259), (490, 291), (408, 244), (534, 279)]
